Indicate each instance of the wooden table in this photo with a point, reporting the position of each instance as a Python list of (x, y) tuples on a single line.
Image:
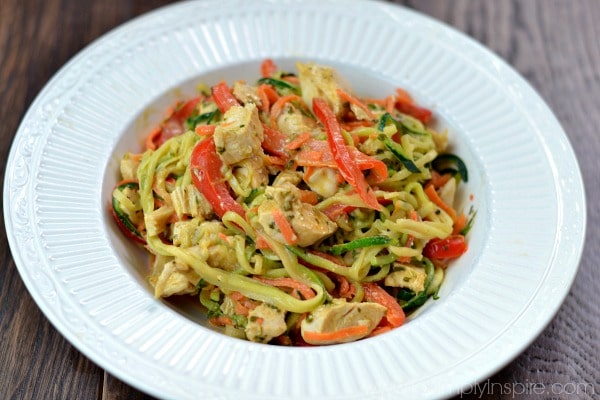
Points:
[(554, 44)]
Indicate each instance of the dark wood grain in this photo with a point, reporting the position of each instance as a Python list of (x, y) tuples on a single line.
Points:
[(554, 44)]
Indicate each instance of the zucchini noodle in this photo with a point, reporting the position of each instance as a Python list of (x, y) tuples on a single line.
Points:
[(293, 210)]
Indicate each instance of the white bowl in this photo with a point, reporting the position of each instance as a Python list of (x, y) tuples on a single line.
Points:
[(90, 282)]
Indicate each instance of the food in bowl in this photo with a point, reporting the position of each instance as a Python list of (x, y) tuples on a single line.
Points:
[(296, 211)]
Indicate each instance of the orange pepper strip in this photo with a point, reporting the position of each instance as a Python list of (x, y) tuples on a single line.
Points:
[(438, 180), (437, 200), (261, 243), (353, 100), (345, 163), (298, 141), (278, 107), (152, 138), (459, 224), (303, 288), (205, 130), (221, 321), (268, 68), (267, 95), (375, 293), (340, 334), (405, 104), (284, 226), (380, 329), (309, 197)]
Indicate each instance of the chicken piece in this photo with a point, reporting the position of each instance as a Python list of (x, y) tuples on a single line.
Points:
[(360, 113), (187, 200), (128, 166), (217, 252), (293, 122), (408, 277), (175, 279), (157, 220), (320, 81), (246, 93), (239, 135), (340, 314), (448, 192), (186, 233), (228, 306), (284, 177), (323, 181), (308, 223), (265, 322), (251, 171)]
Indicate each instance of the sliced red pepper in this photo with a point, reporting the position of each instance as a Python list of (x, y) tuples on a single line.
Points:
[(184, 111), (346, 165), (305, 158), (420, 113), (223, 97), (173, 125), (451, 247), (122, 219), (136, 237), (274, 142), (336, 210), (267, 95), (205, 165), (376, 294), (268, 68)]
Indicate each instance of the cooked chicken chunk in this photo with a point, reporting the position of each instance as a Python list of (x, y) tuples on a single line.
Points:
[(408, 277), (264, 323), (338, 315), (250, 173), (186, 233), (157, 220), (293, 122), (228, 306), (240, 134), (285, 177), (320, 81), (187, 200), (128, 166), (308, 223), (323, 181), (360, 113), (246, 93), (175, 278), (448, 192), (211, 245)]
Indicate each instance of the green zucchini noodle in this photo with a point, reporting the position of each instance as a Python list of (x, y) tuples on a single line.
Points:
[(294, 211)]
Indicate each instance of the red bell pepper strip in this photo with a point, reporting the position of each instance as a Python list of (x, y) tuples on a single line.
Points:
[(223, 97), (274, 142), (126, 230), (268, 68), (347, 166), (451, 247), (334, 211), (205, 165), (173, 125), (420, 113), (376, 294), (406, 105), (306, 158), (185, 110)]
